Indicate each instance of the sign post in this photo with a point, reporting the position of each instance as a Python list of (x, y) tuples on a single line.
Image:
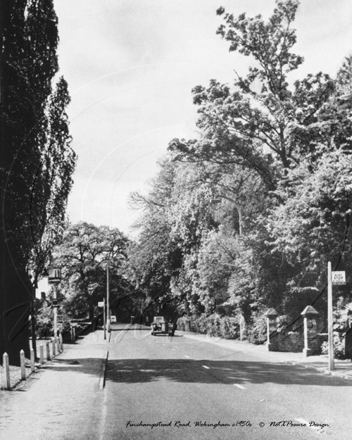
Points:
[(104, 318), (101, 304), (336, 278)]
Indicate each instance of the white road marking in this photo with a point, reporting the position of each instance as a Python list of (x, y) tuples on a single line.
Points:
[(241, 387), (204, 366)]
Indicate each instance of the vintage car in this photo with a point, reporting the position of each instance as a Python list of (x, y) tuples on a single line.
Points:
[(161, 326)]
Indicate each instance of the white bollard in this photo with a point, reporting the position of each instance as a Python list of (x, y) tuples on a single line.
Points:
[(6, 364), (53, 346), (32, 360), (23, 367), (47, 351), (41, 354), (57, 345), (61, 343)]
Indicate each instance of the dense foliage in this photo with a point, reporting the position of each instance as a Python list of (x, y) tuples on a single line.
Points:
[(246, 216), (85, 255)]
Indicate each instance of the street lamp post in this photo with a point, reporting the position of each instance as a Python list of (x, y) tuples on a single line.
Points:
[(107, 297), (55, 278)]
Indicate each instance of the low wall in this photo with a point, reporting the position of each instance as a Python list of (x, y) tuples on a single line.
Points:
[(289, 341)]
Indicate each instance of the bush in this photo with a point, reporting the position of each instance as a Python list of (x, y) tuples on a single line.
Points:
[(339, 347), (201, 323), (257, 332), (183, 324), (214, 325), (230, 328), (225, 328), (44, 322), (340, 319)]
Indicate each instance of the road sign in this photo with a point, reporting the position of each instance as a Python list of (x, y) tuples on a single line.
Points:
[(54, 276), (101, 304), (338, 278)]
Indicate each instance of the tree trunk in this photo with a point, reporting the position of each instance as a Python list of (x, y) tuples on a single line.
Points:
[(14, 308)]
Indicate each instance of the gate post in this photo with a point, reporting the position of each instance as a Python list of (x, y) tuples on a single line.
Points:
[(272, 342), (47, 351), (310, 331), (41, 351), (23, 367), (6, 365)]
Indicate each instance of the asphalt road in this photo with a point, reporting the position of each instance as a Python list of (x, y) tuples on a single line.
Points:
[(158, 387), (178, 388)]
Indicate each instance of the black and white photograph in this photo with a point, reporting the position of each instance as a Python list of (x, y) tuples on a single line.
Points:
[(175, 219)]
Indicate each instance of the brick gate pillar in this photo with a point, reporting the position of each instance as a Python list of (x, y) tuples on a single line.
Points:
[(272, 342), (310, 331)]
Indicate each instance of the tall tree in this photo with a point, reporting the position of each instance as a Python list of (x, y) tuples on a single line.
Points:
[(155, 257), (245, 205), (263, 123), (28, 137), (344, 77), (270, 127), (312, 224), (52, 182), (83, 256)]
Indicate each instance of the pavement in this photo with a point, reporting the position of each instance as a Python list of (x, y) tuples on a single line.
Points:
[(59, 397), (91, 346)]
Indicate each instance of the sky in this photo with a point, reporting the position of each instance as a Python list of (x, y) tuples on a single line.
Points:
[(131, 65)]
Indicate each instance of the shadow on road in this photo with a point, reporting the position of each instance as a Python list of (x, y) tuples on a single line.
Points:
[(193, 371), (226, 372)]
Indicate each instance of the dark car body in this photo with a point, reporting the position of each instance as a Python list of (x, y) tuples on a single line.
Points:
[(161, 326)]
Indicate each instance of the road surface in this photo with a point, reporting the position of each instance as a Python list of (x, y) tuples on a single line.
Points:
[(158, 387), (202, 391)]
